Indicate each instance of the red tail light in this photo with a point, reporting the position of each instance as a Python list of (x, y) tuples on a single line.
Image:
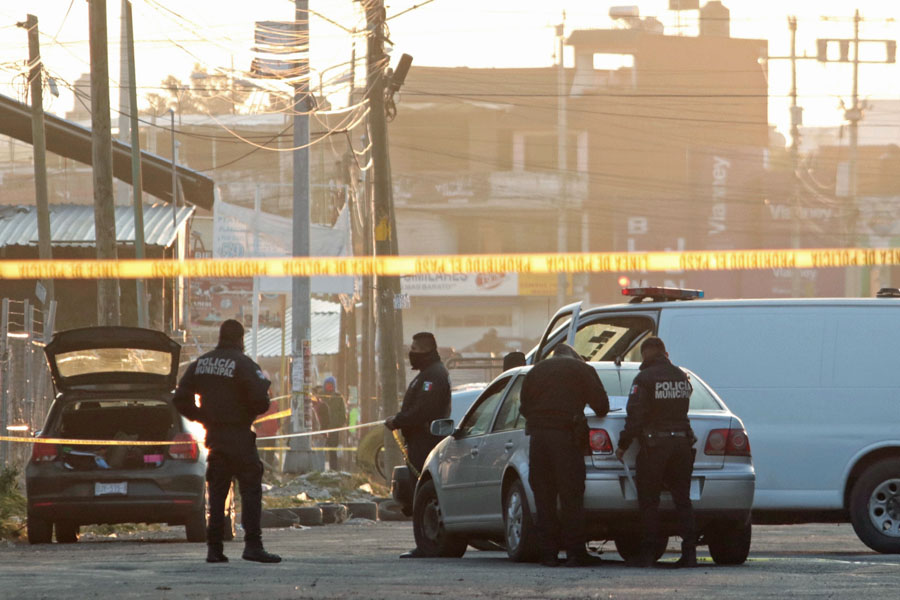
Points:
[(43, 452), (186, 450), (727, 442), (600, 441)]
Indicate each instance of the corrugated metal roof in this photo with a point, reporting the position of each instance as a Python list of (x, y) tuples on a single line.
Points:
[(325, 322), (73, 224)]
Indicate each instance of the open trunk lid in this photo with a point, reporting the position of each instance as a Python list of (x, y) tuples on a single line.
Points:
[(113, 358)]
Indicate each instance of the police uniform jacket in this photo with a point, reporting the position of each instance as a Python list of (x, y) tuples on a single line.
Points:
[(232, 390), (427, 398), (556, 390), (658, 401)]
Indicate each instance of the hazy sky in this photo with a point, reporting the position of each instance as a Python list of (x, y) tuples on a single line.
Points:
[(475, 33)]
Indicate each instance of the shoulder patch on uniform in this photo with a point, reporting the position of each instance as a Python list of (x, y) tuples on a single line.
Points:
[(259, 374), (634, 389), (427, 386)]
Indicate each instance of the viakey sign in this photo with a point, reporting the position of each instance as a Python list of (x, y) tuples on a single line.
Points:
[(590, 262)]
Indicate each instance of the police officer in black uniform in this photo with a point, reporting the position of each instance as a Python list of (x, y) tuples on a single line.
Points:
[(427, 398), (233, 391), (554, 395), (658, 418)]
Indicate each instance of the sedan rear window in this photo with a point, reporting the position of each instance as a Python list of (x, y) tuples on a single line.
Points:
[(114, 360), (618, 383)]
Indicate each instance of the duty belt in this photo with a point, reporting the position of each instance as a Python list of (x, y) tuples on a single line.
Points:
[(665, 434)]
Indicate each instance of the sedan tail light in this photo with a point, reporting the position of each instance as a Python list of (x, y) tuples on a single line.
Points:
[(186, 449), (600, 442), (43, 452), (727, 442)]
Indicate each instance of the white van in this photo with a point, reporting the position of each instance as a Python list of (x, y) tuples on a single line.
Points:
[(815, 381)]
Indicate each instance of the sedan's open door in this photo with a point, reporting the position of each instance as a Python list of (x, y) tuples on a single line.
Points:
[(570, 310)]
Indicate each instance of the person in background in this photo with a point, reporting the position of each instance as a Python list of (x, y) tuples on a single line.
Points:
[(337, 417)]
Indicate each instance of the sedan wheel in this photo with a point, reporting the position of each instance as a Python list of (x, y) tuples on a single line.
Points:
[(521, 537), (432, 539)]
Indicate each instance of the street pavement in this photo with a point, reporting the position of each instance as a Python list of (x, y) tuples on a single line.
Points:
[(360, 560)]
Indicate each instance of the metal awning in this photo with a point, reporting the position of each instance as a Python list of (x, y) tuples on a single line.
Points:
[(325, 323), (73, 225), (74, 141)]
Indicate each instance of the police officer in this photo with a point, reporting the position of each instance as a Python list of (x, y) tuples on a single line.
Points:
[(554, 395), (657, 417), (427, 398), (233, 391)]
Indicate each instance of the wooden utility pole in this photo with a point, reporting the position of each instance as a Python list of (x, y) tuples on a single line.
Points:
[(388, 359), (137, 188), (101, 159), (39, 144)]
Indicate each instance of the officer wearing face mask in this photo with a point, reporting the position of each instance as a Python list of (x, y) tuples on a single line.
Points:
[(427, 398)]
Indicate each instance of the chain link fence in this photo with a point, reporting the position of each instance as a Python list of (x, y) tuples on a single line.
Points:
[(25, 387)]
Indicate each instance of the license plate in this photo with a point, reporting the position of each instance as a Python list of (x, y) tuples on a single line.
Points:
[(107, 489)]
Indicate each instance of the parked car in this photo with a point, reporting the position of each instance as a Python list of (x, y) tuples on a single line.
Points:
[(403, 483), (815, 381), (114, 385), (475, 481)]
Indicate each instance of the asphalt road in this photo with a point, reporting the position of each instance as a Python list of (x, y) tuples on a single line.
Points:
[(360, 561)]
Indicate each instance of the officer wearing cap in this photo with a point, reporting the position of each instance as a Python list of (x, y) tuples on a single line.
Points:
[(233, 392), (554, 395), (658, 417)]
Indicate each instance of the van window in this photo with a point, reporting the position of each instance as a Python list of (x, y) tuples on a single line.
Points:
[(606, 338)]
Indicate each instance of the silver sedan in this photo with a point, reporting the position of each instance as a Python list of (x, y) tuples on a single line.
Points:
[(475, 482)]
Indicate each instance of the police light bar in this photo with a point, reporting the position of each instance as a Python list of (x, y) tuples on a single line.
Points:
[(661, 294)]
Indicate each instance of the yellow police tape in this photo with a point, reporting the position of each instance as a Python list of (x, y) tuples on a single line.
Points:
[(316, 449), (592, 262), (278, 415), (73, 442)]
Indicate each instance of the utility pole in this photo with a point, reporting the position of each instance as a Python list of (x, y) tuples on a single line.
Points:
[(39, 144), (388, 360), (562, 240), (124, 87), (796, 120), (137, 187), (101, 159), (300, 457), (855, 283)]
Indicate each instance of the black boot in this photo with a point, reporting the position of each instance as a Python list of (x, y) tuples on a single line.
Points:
[(214, 553), (254, 551), (688, 558)]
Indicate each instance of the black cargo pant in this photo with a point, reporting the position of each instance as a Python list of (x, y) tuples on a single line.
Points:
[(232, 454), (556, 469), (665, 462)]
